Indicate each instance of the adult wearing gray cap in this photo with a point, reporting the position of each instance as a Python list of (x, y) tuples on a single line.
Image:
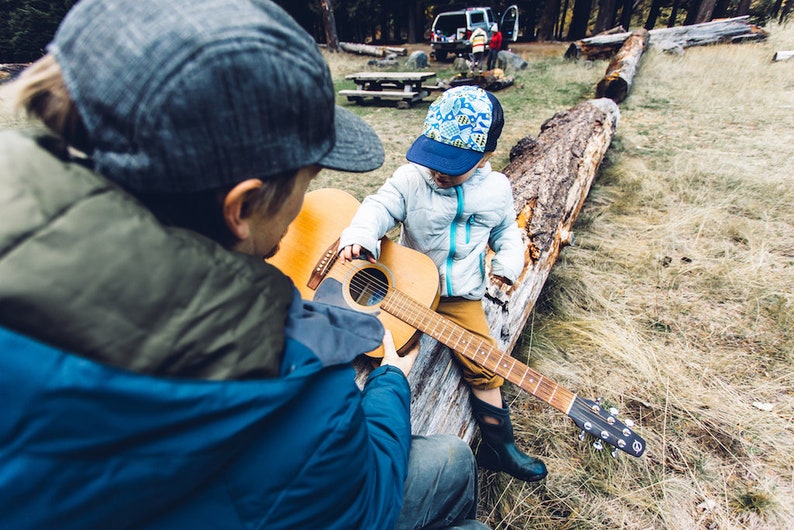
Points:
[(156, 373)]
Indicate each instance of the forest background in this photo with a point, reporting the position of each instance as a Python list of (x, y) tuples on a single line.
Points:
[(26, 26)]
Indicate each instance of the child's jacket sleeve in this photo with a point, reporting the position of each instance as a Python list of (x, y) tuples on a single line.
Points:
[(505, 241), (376, 215)]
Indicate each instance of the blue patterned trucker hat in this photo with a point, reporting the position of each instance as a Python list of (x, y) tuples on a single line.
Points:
[(460, 127)]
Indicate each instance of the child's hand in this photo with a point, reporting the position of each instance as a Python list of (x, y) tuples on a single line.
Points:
[(404, 363), (351, 252)]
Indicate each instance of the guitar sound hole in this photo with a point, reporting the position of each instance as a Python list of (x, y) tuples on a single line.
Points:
[(368, 286)]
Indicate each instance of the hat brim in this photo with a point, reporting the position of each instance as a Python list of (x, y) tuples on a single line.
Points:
[(441, 157), (357, 149)]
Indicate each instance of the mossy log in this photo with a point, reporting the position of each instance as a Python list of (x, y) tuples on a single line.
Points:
[(619, 76), (551, 176)]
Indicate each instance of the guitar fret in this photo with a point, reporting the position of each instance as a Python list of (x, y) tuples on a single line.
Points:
[(551, 397), (520, 384)]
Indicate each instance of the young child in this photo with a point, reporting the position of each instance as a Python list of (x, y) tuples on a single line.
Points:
[(452, 206)]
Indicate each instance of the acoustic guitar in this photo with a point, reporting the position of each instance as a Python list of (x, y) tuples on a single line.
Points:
[(402, 290)]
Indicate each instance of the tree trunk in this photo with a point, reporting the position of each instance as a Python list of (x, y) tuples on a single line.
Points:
[(561, 20), (721, 9), (692, 8), (579, 19), (551, 177), (606, 16), (728, 30), (548, 20), (674, 14), (785, 10), (330, 25), (744, 8), (625, 14), (619, 76), (705, 9), (656, 8)]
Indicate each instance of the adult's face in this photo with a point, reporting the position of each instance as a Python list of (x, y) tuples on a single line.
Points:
[(266, 230)]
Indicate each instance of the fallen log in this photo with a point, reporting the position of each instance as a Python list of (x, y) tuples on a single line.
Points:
[(491, 80), (598, 47), (368, 49), (619, 76), (735, 30), (782, 55), (551, 176), (727, 30)]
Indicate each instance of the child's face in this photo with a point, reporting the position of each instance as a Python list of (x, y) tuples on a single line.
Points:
[(447, 181)]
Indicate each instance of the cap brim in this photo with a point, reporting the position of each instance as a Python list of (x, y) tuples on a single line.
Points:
[(357, 147), (444, 158)]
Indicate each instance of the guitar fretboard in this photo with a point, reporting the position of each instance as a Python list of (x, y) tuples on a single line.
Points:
[(475, 348)]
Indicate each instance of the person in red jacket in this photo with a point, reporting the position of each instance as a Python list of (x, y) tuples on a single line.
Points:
[(494, 45)]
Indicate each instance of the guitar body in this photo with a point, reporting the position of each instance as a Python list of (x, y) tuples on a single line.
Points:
[(325, 214)]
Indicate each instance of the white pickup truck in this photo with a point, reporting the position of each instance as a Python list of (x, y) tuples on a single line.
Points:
[(451, 30)]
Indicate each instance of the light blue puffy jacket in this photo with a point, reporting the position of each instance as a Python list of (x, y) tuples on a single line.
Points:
[(453, 226)]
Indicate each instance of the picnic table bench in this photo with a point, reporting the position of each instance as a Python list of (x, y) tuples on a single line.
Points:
[(405, 87)]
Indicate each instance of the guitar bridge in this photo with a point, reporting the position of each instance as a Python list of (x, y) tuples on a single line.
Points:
[(325, 263)]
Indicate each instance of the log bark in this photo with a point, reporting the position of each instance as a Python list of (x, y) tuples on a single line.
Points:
[(737, 29), (619, 76), (551, 176), (368, 49)]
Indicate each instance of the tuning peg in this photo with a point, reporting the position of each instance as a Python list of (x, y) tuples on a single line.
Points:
[(598, 445), (628, 423), (614, 452), (614, 411), (581, 436)]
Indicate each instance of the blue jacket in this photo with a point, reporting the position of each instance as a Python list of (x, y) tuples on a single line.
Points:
[(151, 379)]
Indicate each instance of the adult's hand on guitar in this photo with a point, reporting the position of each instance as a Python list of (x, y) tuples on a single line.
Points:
[(404, 363), (355, 250)]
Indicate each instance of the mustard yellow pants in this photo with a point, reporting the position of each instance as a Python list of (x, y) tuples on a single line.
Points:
[(470, 315)]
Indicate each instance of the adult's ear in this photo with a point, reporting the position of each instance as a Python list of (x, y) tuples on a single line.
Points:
[(237, 207)]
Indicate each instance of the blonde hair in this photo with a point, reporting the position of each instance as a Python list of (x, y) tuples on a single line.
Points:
[(42, 94)]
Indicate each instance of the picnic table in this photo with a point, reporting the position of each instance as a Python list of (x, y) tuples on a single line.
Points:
[(405, 87)]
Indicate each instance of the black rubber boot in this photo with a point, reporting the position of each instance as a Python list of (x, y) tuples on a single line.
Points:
[(497, 451)]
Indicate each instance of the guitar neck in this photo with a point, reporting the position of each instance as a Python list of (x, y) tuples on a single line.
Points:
[(478, 350)]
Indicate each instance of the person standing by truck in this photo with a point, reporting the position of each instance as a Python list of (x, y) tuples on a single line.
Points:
[(494, 45), (478, 40)]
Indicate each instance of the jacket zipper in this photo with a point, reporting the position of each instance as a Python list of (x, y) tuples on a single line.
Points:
[(453, 231)]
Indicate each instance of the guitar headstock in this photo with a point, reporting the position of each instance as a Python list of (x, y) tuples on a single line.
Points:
[(594, 419)]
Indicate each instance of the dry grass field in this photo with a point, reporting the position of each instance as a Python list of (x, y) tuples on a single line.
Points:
[(676, 302)]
